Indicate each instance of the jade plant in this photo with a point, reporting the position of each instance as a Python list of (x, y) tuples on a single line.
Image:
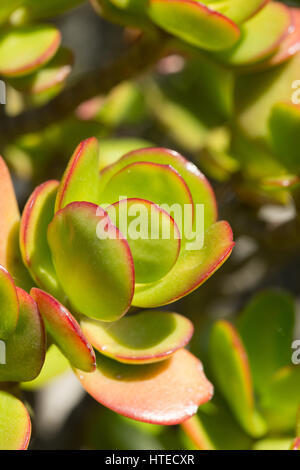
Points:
[(84, 283), (256, 403)]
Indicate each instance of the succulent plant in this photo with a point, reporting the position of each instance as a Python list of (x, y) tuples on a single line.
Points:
[(256, 403), (99, 278)]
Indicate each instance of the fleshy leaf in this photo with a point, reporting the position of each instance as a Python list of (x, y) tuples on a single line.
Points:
[(290, 45), (35, 250), (25, 49), (65, 331), (256, 94), (192, 269), (80, 181), (198, 185), (281, 400), (261, 35), (95, 271), (232, 375), (15, 424), (112, 150), (48, 8), (152, 235), (284, 135), (237, 10), (194, 23), (25, 348), (47, 78), (266, 327), (146, 337), (9, 212), (9, 304), (167, 392)]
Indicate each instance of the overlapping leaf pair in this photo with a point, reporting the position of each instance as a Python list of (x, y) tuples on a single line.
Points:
[(141, 369), (257, 386), (31, 57)]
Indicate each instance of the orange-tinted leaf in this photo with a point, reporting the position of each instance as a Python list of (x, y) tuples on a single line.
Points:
[(167, 392)]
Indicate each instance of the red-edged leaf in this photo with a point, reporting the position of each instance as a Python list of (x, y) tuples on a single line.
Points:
[(80, 180), (9, 212), (25, 348), (93, 261), (35, 250), (199, 187), (65, 331), (146, 337), (15, 424), (25, 49), (195, 23), (192, 269), (167, 392)]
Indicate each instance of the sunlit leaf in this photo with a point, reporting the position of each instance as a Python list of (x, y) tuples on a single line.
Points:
[(95, 271), (192, 269), (152, 235), (35, 250), (261, 35), (80, 180), (146, 337), (15, 425), (25, 348), (195, 23), (167, 392), (9, 304), (25, 49)]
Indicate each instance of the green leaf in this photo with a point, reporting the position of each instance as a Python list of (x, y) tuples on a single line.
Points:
[(95, 271), (25, 49), (159, 184), (25, 348), (15, 424), (48, 8), (146, 337), (65, 331), (232, 375), (237, 10), (256, 94), (49, 77), (199, 187), (80, 181), (192, 269), (111, 150), (9, 304), (152, 235), (9, 213), (194, 23), (261, 36), (35, 250), (281, 400), (290, 44), (167, 392), (285, 135), (266, 328)]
